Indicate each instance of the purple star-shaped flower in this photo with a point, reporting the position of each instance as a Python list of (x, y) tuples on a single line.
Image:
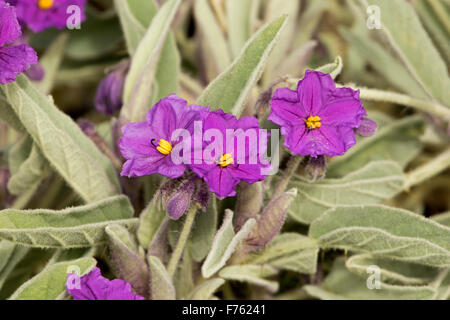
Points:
[(147, 145), (222, 168), (318, 118), (39, 15), (14, 59), (93, 286)]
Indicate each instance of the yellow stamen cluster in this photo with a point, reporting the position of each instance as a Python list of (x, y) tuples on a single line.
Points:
[(225, 160), (45, 4), (313, 122), (164, 146)]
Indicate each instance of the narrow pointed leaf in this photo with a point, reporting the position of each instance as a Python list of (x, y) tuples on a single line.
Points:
[(384, 231), (271, 220), (140, 78), (205, 290), (61, 141), (374, 183), (161, 286), (253, 274), (289, 251), (82, 226), (224, 244), (230, 89), (341, 284), (126, 262), (50, 283)]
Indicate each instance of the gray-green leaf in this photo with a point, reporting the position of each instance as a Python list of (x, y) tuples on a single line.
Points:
[(224, 244), (386, 232), (71, 153), (50, 283), (230, 89), (82, 226), (374, 183)]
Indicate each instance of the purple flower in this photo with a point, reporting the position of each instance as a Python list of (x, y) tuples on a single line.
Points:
[(235, 160), (318, 118), (147, 145), (39, 15), (109, 93), (93, 286), (14, 59)]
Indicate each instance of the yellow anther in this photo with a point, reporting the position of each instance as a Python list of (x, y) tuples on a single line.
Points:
[(225, 160), (45, 4), (164, 146), (313, 122)]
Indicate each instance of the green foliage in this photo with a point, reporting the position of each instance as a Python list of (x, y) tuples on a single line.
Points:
[(381, 206), (82, 226)]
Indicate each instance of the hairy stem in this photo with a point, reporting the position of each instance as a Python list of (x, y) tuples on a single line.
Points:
[(428, 170), (182, 240), (292, 167), (428, 106)]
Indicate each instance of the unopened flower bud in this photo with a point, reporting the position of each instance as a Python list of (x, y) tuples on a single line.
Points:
[(316, 168), (367, 128), (35, 72), (180, 201), (109, 92)]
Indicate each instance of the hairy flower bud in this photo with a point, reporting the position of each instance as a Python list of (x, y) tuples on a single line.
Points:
[(180, 201), (109, 92), (367, 128), (316, 167), (35, 72)]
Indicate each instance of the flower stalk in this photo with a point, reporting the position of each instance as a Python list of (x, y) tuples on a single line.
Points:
[(428, 170), (292, 167), (427, 106), (182, 240)]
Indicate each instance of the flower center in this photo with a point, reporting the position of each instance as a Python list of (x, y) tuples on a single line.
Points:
[(45, 4), (225, 160), (164, 146), (313, 122)]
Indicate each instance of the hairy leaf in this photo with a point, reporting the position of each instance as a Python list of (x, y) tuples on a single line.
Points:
[(393, 272), (205, 290), (126, 262), (409, 39), (374, 183), (253, 274), (140, 78), (50, 283), (161, 286), (341, 284), (271, 220), (51, 62), (239, 23), (230, 89), (71, 153), (289, 251), (386, 232), (30, 172), (149, 221), (394, 140), (224, 244), (214, 45), (82, 226), (203, 231)]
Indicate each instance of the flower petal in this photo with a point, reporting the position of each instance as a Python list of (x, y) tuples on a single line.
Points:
[(313, 91), (136, 141), (344, 108), (9, 26), (221, 182), (15, 60), (286, 109), (162, 119)]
